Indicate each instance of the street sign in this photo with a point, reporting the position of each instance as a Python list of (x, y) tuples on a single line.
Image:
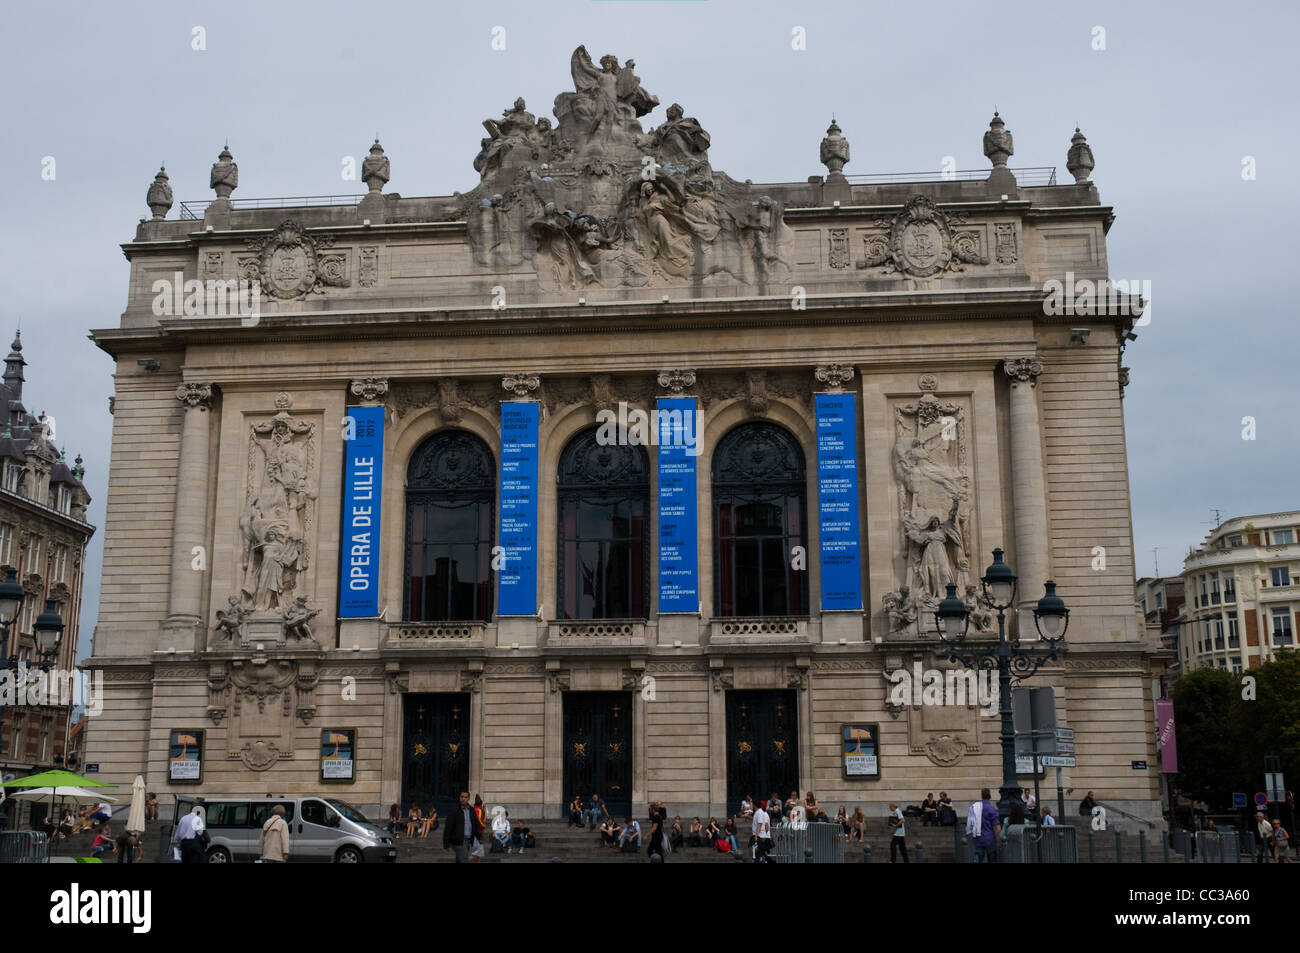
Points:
[(1276, 789), (1238, 799), (1139, 765), (1065, 747), (1025, 764), (1261, 799), (1057, 761), (1064, 734)]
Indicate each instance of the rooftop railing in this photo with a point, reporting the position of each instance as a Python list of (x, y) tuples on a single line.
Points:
[(193, 211), (1027, 177)]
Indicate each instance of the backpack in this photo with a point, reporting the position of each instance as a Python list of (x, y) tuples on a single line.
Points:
[(530, 840), (723, 846)]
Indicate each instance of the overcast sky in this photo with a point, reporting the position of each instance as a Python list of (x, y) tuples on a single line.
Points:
[(1171, 106)]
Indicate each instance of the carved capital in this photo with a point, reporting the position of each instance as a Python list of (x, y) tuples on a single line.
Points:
[(834, 375), (677, 379), (195, 396), (471, 681), (797, 677), (723, 678), (521, 385), (370, 389), (558, 680), (1023, 370)]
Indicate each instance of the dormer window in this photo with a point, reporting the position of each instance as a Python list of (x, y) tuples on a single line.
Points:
[(61, 499), (13, 476)]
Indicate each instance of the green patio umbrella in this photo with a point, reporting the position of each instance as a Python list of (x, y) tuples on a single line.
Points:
[(56, 779)]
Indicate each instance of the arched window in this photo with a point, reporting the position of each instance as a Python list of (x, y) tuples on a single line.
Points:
[(450, 492), (759, 507), (604, 543)]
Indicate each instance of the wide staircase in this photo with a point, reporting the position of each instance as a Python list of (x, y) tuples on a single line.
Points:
[(557, 842)]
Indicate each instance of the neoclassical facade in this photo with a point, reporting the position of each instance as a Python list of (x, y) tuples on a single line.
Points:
[(425, 505)]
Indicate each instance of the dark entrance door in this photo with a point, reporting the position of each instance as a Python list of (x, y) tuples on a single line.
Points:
[(598, 748), (762, 745), (435, 750)]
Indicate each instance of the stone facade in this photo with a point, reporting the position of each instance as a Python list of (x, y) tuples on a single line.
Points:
[(1242, 593), (43, 537), (598, 262)]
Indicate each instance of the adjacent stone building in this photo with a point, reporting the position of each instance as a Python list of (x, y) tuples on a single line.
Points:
[(1243, 596), (43, 538), (414, 518)]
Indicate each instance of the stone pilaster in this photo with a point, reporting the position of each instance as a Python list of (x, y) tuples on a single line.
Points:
[(183, 627), (1028, 488)]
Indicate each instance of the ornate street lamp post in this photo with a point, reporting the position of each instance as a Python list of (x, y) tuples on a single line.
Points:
[(49, 633), (1007, 656), (11, 602)]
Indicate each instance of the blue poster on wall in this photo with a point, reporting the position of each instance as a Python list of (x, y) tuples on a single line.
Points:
[(679, 448), (517, 565), (363, 470), (837, 501)]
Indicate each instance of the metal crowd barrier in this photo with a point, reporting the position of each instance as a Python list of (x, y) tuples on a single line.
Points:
[(1060, 845), (792, 841), (1217, 847), (24, 847)]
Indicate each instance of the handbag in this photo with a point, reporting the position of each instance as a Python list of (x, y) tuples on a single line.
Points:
[(477, 849), (530, 840)]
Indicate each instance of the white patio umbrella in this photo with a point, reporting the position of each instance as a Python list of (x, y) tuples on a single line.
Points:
[(135, 820)]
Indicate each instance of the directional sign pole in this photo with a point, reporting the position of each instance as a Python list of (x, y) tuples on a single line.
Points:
[(1038, 811), (1060, 797)]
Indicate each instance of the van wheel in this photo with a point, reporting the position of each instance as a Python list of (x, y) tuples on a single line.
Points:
[(218, 855), (348, 855)]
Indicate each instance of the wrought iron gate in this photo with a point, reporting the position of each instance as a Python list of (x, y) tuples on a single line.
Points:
[(435, 750), (598, 748), (762, 745)]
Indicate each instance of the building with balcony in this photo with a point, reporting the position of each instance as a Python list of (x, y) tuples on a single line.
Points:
[(1243, 598), (43, 538), (611, 473)]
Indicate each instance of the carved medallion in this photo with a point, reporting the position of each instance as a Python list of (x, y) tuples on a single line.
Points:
[(287, 262), (920, 243)]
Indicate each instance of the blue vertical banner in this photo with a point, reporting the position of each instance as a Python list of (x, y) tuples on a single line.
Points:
[(517, 570), (679, 448), (837, 501), (363, 472)]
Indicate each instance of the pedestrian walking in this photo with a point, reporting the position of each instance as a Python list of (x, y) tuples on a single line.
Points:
[(1264, 830), (655, 838), (762, 829), (273, 845), (984, 827), (190, 839), (898, 842), (462, 830), (1281, 844)]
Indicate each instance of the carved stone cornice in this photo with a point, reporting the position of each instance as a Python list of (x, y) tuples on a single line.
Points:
[(371, 390), (195, 396), (1023, 370), (676, 380), (521, 385), (834, 375)]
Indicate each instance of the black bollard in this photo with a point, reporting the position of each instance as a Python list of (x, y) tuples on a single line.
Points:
[(866, 853), (920, 852)]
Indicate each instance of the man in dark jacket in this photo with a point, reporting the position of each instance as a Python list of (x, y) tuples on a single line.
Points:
[(461, 829)]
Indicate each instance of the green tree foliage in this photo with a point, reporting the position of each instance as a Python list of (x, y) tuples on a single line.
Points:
[(1223, 738)]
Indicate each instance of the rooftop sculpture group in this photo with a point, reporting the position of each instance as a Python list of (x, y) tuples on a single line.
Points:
[(598, 201)]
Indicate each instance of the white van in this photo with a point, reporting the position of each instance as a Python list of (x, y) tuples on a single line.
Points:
[(321, 829)]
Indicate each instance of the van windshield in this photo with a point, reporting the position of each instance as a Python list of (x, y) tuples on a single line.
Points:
[(347, 810)]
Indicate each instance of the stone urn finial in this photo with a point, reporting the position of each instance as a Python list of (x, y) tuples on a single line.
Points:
[(1079, 160), (835, 149), (997, 142), (375, 168), (159, 198), (225, 174)]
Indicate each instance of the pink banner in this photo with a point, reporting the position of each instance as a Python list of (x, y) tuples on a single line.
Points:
[(1168, 740)]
